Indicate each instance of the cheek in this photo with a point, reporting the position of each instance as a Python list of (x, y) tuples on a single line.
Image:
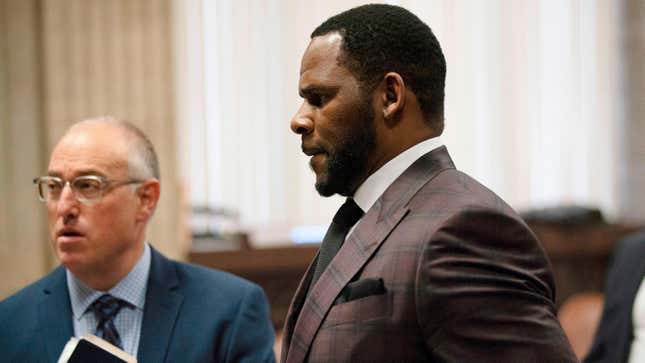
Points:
[(338, 120), (51, 216), (105, 229), (329, 132), (115, 218)]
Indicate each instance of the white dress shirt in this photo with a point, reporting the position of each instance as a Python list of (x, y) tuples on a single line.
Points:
[(375, 185), (368, 193)]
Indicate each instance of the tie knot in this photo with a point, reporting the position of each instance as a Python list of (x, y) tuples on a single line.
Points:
[(107, 306), (348, 214)]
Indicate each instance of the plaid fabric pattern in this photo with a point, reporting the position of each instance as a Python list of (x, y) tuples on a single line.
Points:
[(132, 289), (465, 281)]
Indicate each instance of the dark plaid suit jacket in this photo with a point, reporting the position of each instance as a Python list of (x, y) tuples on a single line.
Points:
[(456, 276)]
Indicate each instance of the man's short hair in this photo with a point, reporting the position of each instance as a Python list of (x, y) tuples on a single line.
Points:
[(379, 38), (148, 163)]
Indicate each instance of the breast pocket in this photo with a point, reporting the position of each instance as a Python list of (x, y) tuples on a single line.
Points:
[(363, 309)]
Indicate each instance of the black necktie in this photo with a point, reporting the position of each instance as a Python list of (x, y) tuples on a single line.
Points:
[(105, 308), (348, 214)]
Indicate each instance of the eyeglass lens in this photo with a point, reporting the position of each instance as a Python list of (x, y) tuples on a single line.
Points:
[(85, 187)]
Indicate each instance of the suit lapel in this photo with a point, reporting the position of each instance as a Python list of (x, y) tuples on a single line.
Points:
[(368, 235), (160, 311), (55, 314)]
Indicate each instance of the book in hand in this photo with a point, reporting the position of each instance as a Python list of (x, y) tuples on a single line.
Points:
[(90, 348)]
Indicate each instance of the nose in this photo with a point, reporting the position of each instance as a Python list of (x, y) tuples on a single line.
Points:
[(302, 122), (67, 204)]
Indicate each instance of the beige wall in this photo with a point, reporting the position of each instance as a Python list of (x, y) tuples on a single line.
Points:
[(24, 254), (63, 61), (632, 186)]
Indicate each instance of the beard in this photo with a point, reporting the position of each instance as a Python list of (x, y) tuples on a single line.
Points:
[(347, 163)]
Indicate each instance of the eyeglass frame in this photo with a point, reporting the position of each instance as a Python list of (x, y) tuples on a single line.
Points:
[(105, 183)]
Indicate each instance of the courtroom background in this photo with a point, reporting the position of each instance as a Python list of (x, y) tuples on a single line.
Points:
[(544, 104)]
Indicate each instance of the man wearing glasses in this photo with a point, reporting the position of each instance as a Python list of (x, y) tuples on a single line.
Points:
[(100, 191)]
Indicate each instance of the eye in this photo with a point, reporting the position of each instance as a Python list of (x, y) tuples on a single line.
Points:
[(315, 100), (87, 186), (53, 185), (318, 99)]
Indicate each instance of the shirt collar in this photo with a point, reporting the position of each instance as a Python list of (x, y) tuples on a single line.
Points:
[(368, 193), (131, 289)]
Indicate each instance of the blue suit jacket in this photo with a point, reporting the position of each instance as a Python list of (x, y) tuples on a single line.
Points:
[(191, 314), (615, 332)]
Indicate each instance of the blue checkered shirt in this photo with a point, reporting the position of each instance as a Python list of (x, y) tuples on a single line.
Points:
[(131, 289)]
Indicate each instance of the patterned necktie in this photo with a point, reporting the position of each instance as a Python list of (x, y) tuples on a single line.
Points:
[(348, 214), (105, 309)]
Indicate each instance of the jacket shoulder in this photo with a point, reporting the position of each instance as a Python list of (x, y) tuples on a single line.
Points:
[(215, 286), (28, 294), (452, 192), (18, 312)]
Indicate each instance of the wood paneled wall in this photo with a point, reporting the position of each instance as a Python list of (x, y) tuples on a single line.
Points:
[(64, 61)]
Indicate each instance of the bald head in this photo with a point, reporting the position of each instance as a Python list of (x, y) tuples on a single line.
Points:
[(142, 158), (99, 239)]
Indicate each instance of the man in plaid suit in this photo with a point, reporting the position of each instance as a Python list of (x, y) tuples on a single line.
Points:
[(438, 268)]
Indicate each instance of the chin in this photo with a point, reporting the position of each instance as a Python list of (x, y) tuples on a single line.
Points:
[(323, 186), (71, 261), (323, 191), (326, 189)]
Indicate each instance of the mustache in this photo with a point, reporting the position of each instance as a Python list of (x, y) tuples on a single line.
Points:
[(311, 150)]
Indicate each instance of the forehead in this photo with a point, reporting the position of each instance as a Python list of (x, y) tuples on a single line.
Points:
[(320, 63), (96, 149)]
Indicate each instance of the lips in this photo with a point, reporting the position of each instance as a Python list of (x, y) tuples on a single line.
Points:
[(69, 235), (311, 150)]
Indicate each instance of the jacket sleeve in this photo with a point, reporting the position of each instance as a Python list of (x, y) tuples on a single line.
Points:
[(486, 294), (252, 336)]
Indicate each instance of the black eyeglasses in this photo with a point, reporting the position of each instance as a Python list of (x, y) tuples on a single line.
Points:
[(86, 188)]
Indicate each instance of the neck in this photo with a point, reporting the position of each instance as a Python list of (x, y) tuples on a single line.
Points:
[(394, 147), (105, 277)]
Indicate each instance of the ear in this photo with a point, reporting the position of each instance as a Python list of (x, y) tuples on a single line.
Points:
[(393, 96), (148, 193)]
